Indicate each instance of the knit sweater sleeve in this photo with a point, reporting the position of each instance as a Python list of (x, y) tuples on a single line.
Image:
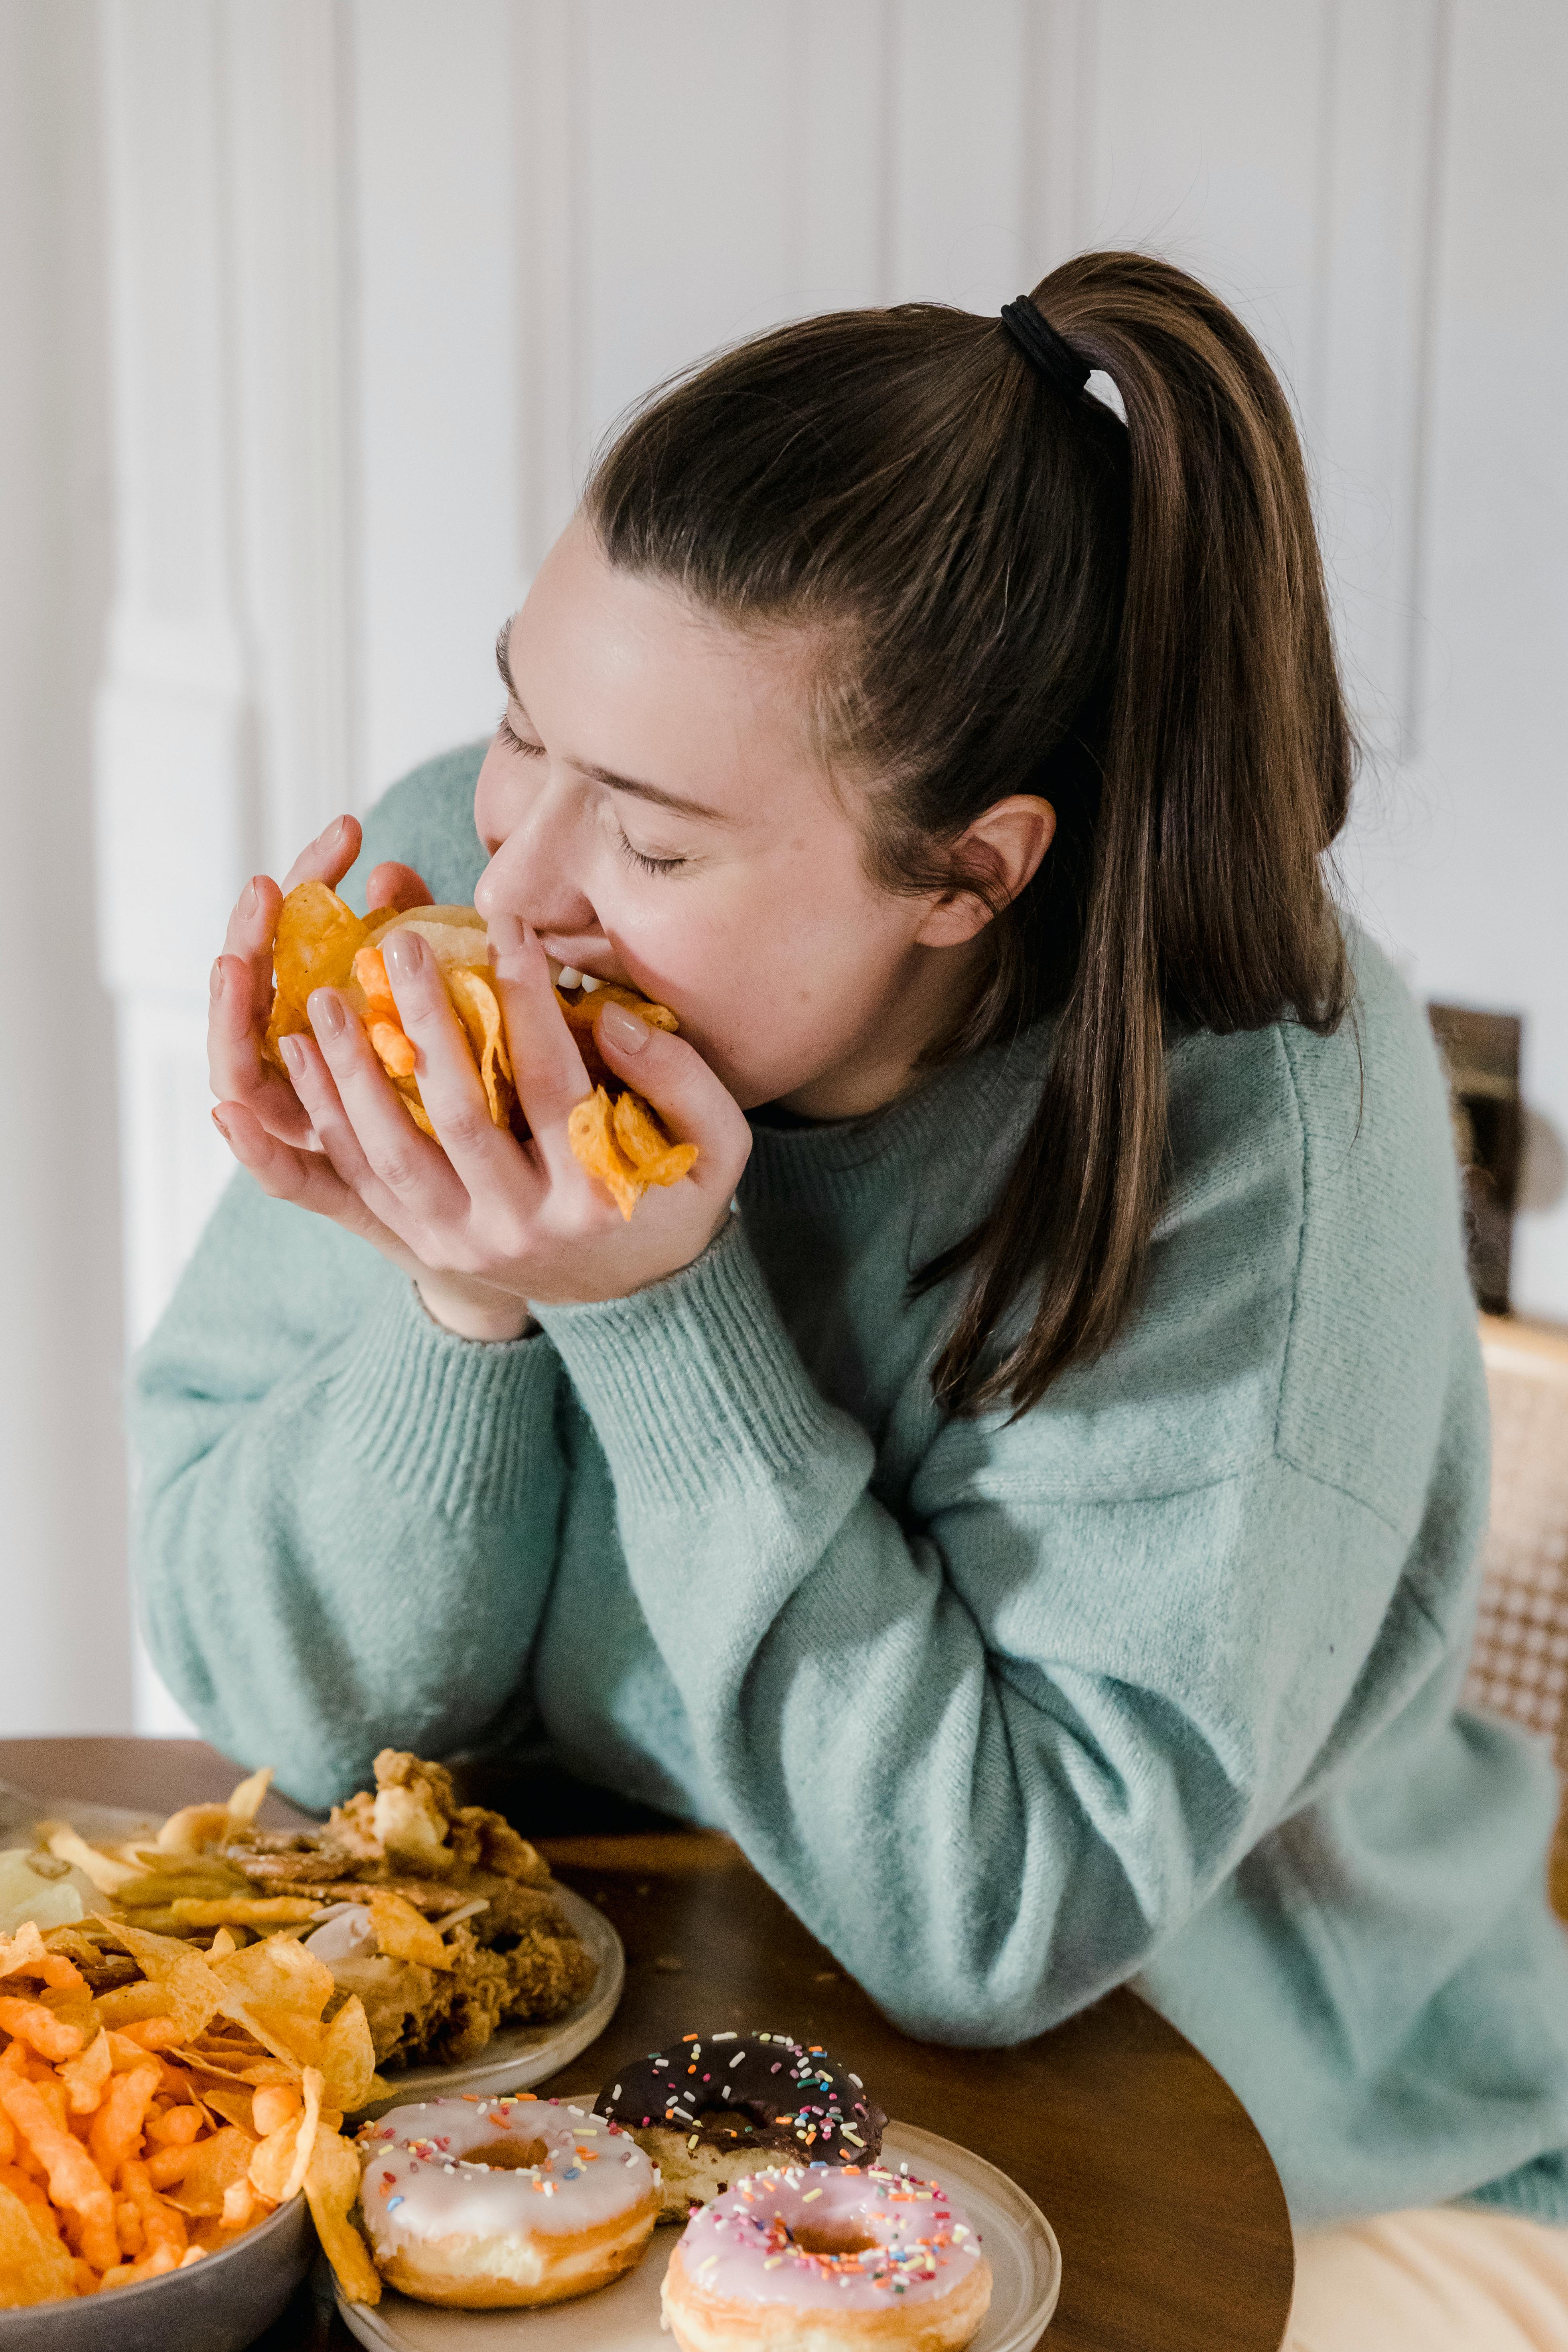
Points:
[(346, 1517), (992, 1751)]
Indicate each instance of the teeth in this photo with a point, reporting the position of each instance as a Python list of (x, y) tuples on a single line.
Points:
[(568, 978), (590, 984)]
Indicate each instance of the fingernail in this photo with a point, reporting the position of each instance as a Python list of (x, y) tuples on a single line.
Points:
[(402, 952), (221, 1128), (326, 1014), (508, 936), (217, 978), (623, 1028), (249, 899), (293, 1054)]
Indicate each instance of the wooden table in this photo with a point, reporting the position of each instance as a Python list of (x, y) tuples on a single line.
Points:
[(1173, 2225)]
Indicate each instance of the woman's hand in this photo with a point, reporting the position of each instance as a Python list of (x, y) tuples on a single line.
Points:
[(484, 1224)]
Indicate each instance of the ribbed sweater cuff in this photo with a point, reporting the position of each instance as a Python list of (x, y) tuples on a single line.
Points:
[(457, 1424), (693, 1386)]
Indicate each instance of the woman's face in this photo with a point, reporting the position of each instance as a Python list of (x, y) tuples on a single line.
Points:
[(653, 808)]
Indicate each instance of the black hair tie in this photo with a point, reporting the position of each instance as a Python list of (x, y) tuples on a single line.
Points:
[(1049, 354)]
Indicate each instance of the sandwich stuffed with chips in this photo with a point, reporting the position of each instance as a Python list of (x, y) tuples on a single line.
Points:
[(321, 942)]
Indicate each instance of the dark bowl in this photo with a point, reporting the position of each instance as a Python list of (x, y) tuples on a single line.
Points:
[(219, 2304)]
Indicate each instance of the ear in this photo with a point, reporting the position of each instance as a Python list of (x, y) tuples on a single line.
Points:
[(1002, 850)]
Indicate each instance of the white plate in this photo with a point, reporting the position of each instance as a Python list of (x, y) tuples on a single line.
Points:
[(1025, 2268), (520, 2056), (512, 2059)]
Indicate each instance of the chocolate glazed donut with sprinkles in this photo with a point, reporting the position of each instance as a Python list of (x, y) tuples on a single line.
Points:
[(720, 2106)]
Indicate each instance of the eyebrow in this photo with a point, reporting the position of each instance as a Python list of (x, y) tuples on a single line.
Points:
[(655, 793)]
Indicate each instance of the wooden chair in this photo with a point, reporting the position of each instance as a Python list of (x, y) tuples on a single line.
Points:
[(1518, 1666)]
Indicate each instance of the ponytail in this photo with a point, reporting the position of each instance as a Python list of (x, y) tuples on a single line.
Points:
[(1130, 620)]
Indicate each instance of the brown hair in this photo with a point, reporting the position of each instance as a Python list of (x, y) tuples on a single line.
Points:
[(1023, 594)]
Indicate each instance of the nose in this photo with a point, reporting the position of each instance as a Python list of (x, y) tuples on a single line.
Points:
[(531, 873)]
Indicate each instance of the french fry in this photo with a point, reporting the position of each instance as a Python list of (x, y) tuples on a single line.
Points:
[(107, 1874), (243, 1910)]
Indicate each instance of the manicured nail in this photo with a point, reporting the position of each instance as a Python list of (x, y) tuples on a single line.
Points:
[(326, 1014), (622, 1027), (221, 1128), (508, 936), (402, 952), (216, 983), (249, 898), (293, 1054)]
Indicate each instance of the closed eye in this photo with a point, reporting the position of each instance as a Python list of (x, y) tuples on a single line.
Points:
[(647, 865), (508, 734)]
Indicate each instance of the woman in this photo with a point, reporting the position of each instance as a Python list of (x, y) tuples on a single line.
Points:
[(1025, 1484)]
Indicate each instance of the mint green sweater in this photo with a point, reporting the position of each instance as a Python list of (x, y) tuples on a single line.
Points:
[(1157, 1683)]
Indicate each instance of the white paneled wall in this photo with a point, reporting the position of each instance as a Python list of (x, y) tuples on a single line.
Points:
[(382, 270), (63, 1653)]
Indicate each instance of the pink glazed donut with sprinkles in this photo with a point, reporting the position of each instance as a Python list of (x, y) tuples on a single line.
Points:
[(815, 2258), (486, 2202)]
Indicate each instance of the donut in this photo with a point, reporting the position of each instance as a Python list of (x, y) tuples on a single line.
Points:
[(722, 2105), (491, 2201), (817, 2258)]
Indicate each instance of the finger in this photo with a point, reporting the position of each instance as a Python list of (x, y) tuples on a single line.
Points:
[(391, 885), (237, 1070), (330, 1126), (304, 1178), (550, 1071), (695, 1106), (449, 1084), (329, 857), (415, 1171)]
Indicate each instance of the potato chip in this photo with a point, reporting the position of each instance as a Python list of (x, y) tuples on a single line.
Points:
[(278, 2164), (35, 2267), (331, 2191), (402, 1933), (589, 1131), (316, 936), (277, 1991), (194, 1828), (129, 2004), (478, 1009), (657, 1159), (276, 1972), (460, 953), (214, 2166), (247, 1797), (347, 2059), (195, 1992)]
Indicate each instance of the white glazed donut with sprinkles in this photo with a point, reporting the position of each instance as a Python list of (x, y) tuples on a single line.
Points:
[(485, 2202), (819, 2258)]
